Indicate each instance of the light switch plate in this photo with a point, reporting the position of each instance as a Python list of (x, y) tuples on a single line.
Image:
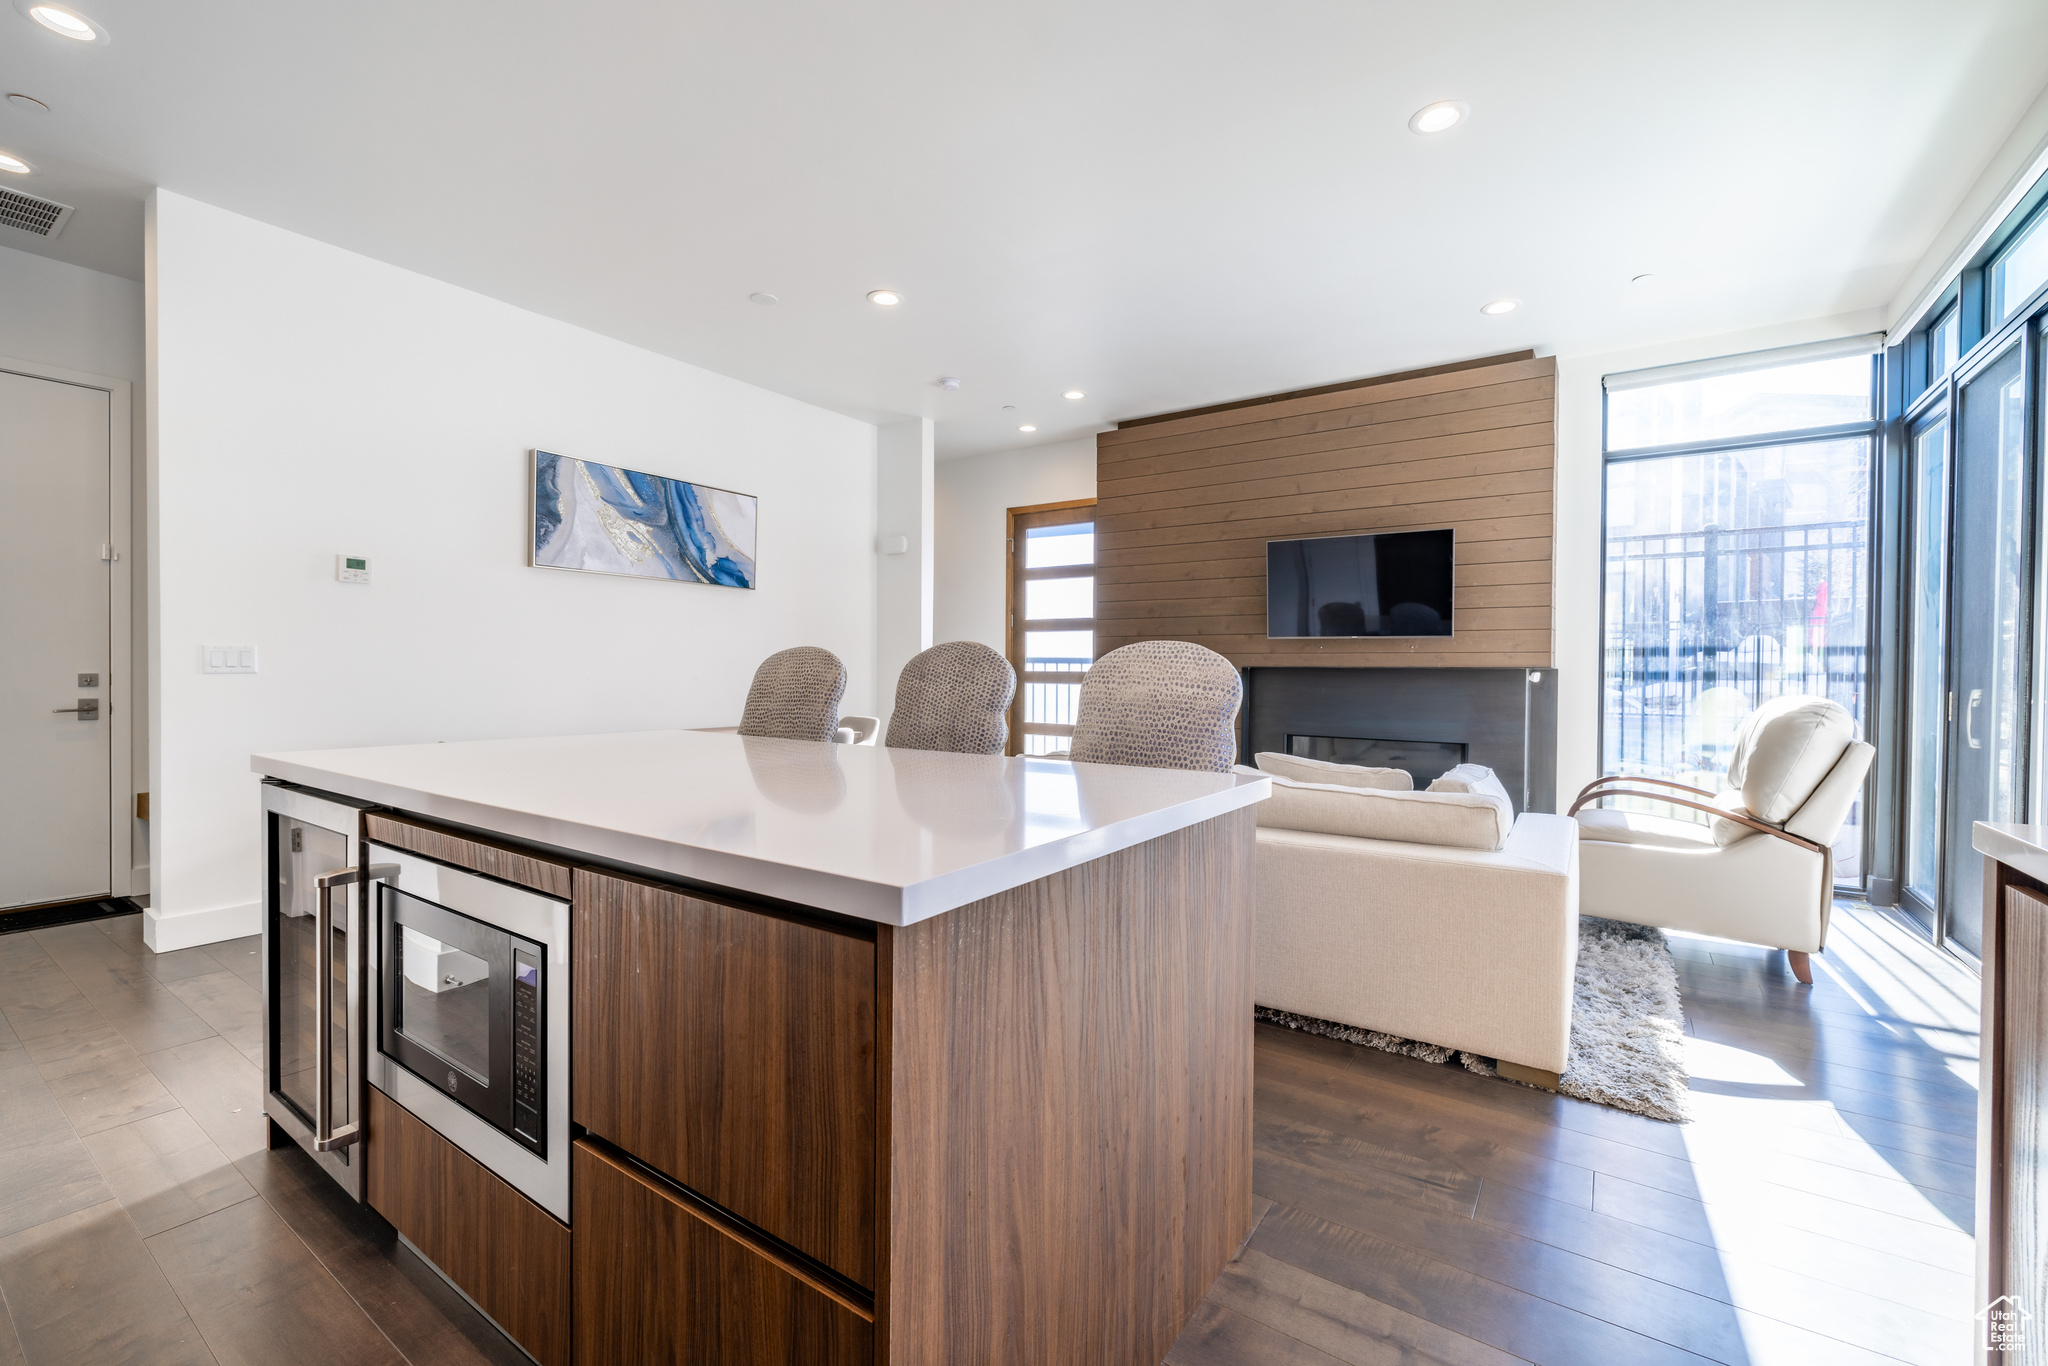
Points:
[(229, 659), (352, 568)]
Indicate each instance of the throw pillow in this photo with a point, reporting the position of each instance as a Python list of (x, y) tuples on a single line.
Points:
[(1471, 778), (1341, 775), (1456, 820)]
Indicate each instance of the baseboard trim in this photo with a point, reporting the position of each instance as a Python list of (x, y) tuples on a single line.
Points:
[(166, 933)]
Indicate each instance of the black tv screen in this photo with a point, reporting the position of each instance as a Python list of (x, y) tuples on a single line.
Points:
[(1393, 584)]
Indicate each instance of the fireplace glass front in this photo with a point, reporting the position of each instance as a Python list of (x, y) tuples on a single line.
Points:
[(1424, 760)]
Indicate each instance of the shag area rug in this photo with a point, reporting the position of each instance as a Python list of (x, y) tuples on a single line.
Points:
[(1628, 1029)]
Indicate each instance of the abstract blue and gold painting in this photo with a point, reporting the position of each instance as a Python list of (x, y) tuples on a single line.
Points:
[(605, 520)]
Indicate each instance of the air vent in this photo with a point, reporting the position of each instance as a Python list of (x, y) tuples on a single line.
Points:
[(43, 217)]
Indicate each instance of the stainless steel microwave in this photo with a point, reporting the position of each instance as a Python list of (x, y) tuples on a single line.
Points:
[(469, 1014)]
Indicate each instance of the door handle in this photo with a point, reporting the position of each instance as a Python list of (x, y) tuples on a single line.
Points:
[(88, 709), (1970, 718), (326, 1138)]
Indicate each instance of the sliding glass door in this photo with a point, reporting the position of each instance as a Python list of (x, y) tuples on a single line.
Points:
[(1986, 725)]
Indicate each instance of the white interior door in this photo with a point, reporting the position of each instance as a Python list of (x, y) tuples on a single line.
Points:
[(56, 612)]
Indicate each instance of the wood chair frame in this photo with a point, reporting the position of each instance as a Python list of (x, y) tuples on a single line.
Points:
[(1802, 964)]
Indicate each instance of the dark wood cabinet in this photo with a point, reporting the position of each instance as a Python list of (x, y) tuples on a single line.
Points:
[(507, 1253), (2012, 1111), (464, 850), (733, 1051), (660, 1279)]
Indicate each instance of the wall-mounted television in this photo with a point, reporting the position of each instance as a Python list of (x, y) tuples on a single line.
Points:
[(1395, 583)]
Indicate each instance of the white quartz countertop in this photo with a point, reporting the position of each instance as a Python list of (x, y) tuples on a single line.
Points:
[(892, 835), (2024, 847)]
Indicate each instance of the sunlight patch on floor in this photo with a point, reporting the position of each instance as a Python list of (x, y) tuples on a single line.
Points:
[(1709, 1061)]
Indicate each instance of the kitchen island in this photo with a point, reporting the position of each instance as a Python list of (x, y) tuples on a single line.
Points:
[(877, 1056)]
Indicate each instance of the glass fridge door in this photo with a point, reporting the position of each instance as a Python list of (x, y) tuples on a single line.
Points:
[(305, 853)]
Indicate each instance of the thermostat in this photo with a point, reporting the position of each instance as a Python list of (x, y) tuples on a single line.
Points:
[(351, 569)]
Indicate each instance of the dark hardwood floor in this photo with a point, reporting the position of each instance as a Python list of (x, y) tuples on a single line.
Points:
[(1818, 1211), (142, 1220)]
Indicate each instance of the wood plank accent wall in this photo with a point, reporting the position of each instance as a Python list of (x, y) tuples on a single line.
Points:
[(1185, 506)]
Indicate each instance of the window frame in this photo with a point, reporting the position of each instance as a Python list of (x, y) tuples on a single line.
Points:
[(1016, 522), (2033, 220), (1875, 431)]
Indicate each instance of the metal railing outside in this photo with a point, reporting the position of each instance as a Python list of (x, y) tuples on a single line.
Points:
[(1703, 627)]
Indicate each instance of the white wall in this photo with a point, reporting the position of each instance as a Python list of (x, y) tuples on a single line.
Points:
[(974, 493), (1576, 561), (78, 319), (904, 506), (306, 402)]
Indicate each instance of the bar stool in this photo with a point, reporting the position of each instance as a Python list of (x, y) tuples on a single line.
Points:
[(1159, 704), (952, 697), (795, 695)]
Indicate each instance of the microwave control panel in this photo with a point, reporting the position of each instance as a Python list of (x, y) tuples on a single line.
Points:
[(529, 1123)]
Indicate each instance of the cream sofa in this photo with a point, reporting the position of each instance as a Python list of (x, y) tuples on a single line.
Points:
[(1462, 932)]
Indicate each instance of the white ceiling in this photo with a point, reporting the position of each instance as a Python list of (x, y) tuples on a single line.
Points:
[(1162, 204)]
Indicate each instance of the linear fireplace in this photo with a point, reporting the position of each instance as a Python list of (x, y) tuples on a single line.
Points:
[(1422, 720)]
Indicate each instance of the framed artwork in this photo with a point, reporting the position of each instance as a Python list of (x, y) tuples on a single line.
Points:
[(601, 519)]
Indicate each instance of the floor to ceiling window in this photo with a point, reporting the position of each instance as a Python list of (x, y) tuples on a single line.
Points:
[(1970, 425), (1738, 533)]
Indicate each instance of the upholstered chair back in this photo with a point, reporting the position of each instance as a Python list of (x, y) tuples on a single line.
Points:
[(795, 695), (1159, 704), (953, 697), (1783, 751)]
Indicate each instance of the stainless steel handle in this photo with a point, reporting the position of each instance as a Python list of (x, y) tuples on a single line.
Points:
[(1970, 718), (88, 709), (326, 1138)]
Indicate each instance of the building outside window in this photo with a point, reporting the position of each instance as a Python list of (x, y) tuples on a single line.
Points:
[(1737, 565)]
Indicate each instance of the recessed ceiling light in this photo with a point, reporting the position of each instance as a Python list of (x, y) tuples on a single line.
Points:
[(63, 21), (887, 298), (1074, 393), (1435, 118), (1027, 427), (28, 102), (1500, 306), (1642, 279), (949, 382), (14, 164), (765, 300)]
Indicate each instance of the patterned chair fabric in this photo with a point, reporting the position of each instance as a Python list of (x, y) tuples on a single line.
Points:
[(953, 697), (795, 695), (1159, 704)]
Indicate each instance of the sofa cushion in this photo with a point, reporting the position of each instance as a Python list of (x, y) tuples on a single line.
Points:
[(1784, 750), (1471, 778), (1341, 775), (1457, 820)]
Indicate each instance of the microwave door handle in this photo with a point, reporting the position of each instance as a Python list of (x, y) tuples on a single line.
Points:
[(325, 1137)]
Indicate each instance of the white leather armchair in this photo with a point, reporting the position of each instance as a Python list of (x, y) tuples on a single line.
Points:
[(1761, 868)]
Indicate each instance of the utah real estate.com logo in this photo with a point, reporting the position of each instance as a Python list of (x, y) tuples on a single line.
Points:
[(2005, 1320)]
